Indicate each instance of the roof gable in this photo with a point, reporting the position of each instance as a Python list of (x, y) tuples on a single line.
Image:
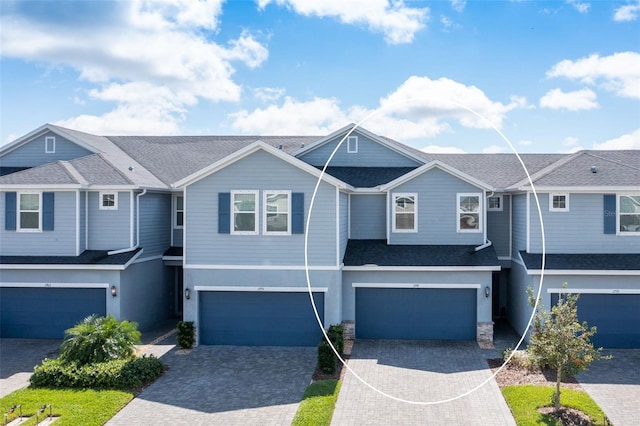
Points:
[(60, 131), (430, 166)]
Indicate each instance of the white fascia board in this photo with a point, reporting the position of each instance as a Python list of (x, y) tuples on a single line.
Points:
[(250, 149), (431, 165), (39, 132), (54, 285), (376, 268), (595, 290), (586, 272), (43, 187), (262, 267), (265, 289), (58, 267), (583, 189), (415, 285), (367, 191)]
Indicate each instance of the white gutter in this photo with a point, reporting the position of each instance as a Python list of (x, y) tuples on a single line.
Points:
[(483, 246), (135, 247)]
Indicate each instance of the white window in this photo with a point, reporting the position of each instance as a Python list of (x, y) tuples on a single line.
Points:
[(108, 201), (179, 212), (558, 202), (352, 144), (29, 215), (469, 213), (50, 144), (277, 209), (494, 203), (629, 214), (405, 212), (245, 212)]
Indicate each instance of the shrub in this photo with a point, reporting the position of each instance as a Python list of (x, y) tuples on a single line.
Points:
[(99, 339), (520, 359), (186, 334), (114, 374), (326, 357), (336, 335)]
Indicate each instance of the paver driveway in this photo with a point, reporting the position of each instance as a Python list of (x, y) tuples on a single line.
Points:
[(18, 357), (615, 385), (420, 371), (224, 385)]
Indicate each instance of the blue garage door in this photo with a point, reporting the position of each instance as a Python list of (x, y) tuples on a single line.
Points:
[(45, 313), (259, 318), (411, 313), (616, 316)]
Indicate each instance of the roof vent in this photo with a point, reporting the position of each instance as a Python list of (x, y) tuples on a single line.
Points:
[(302, 146), (280, 146), (130, 168), (594, 169)]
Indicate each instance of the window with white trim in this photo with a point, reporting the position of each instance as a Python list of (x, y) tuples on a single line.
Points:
[(558, 202), (469, 212), (277, 209), (179, 212), (405, 211), (50, 144), (29, 211), (494, 203), (108, 201), (244, 212), (629, 214), (352, 144)]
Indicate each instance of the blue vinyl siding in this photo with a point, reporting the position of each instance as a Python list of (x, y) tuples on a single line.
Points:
[(437, 210), (83, 221), (519, 224), (109, 229), (368, 217), (45, 313), (155, 223), (59, 242), (344, 224), (33, 153), (259, 171), (370, 154), (498, 227), (259, 318), (177, 237), (580, 230), (408, 313), (145, 293)]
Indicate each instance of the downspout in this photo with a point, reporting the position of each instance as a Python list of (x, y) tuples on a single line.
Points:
[(128, 249), (487, 243)]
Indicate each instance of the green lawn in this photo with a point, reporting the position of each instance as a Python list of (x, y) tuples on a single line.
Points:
[(75, 407), (524, 401), (319, 400)]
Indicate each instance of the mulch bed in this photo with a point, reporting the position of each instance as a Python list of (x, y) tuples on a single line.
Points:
[(341, 370)]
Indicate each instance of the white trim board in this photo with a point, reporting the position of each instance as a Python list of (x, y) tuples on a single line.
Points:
[(595, 290), (415, 285), (54, 285), (265, 289), (421, 268), (584, 272), (264, 267)]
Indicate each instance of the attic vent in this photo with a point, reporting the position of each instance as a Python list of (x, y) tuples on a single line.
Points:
[(280, 146), (130, 168), (594, 169)]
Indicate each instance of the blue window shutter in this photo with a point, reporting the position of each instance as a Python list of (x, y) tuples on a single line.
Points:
[(609, 213), (47, 211), (10, 211), (224, 212), (297, 213)]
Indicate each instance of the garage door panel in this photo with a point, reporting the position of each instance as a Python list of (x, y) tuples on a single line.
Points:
[(616, 316), (259, 318), (45, 313), (392, 313)]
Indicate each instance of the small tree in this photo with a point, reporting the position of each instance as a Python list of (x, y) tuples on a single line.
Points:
[(99, 339), (559, 341)]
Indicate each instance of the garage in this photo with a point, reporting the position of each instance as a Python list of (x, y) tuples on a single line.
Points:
[(259, 318), (46, 312), (616, 316), (416, 313)]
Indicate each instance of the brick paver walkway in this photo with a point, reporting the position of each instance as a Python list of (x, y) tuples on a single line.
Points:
[(17, 359)]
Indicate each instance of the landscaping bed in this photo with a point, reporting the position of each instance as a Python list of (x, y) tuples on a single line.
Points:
[(340, 370)]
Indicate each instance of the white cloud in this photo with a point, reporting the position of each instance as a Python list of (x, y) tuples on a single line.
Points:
[(493, 149), (526, 143), (627, 13), (458, 5), (573, 101), (580, 6), (145, 52), (627, 141), (268, 94), (570, 141), (397, 22), (618, 73), (437, 149), (446, 21)]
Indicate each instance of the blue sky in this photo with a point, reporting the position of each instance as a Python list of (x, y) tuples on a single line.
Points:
[(552, 76)]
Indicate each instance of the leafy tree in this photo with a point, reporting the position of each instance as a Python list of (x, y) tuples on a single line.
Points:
[(559, 341), (99, 339)]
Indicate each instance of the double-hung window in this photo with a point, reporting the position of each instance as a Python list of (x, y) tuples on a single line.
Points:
[(558, 202), (405, 210), (245, 211), (179, 211), (629, 216), (277, 208), (469, 213), (29, 211), (108, 201)]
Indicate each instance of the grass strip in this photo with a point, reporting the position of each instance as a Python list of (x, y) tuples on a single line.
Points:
[(318, 403)]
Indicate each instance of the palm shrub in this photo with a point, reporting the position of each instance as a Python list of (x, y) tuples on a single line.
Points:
[(99, 339)]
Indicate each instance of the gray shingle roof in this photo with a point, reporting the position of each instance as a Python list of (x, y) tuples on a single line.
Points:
[(593, 262), (52, 174), (96, 170), (367, 177), (378, 252), (87, 257)]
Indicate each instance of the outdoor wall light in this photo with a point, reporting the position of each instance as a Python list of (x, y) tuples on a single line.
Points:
[(487, 291), (187, 293), (114, 291)]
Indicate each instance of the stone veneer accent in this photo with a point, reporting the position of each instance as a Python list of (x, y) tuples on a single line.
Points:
[(484, 334), (349, 330)]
